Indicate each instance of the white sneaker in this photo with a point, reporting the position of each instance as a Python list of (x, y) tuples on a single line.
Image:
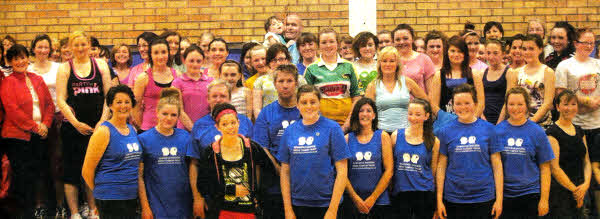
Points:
[(76, 216), (93, 214)]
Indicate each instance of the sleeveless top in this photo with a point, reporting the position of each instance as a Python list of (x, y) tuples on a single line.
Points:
[(238, 100), (412, 166), (151, 97), (85, 96), (446, 92), (534, 84), (117, 172), (494, 96), (572, 154), (50, 80), (365, 168), (392, 107)]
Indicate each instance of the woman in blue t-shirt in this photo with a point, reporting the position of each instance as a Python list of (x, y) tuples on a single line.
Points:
[(469, 175), (112, 159), (314, 158), (416, 152), (526, 159), (164, 183), (371, 167)]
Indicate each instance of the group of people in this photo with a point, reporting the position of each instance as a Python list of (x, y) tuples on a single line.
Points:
[(382, 125)]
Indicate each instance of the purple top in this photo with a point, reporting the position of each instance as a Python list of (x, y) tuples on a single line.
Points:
[(151, 96), (194, 95)]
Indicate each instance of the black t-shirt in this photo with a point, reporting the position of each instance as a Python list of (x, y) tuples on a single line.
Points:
[(221, 178)]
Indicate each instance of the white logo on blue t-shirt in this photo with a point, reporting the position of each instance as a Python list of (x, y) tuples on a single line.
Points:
[(463, 140), (301, 141), (359, 156), (415, 158), (309, 140), (406, 157), (512, 142), (286, 123), (133, 147), (217, 137), (366, 155), (472, 139), (172, 151)]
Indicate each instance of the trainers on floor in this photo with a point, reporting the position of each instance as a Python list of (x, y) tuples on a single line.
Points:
[(93, 214), (84, 210), (61, 212), (40, 213), (76, 216)]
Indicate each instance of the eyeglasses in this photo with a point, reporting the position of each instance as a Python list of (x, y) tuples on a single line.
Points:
[(586, 43)]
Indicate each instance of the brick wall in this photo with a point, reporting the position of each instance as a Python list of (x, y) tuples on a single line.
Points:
[(242, 20)]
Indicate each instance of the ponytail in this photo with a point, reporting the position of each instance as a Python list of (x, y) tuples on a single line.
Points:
[(428, 137)]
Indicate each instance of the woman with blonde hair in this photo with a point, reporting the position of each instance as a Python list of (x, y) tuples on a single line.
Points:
[(81, 85), (392, 91), (163, 162)]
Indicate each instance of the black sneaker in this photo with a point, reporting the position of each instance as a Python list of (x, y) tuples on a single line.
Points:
[(40, 213)]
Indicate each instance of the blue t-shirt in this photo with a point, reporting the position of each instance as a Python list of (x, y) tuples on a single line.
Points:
[(301, 68), (268, 129), (205, 131), (117, 172), (525, 148), (311, 151), (166, 173), (469, 175), (412, 166), (365, 168), (443, 118)]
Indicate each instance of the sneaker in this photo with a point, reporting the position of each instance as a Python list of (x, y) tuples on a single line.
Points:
[(93, 214), (61, 212), (76, 216), (84, 210), (40, 213)]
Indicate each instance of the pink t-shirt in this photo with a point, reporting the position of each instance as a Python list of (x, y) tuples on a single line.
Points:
[(194, 95), (419, 69), (479, 66)]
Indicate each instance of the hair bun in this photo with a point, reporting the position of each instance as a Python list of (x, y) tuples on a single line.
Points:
[(169, 92)]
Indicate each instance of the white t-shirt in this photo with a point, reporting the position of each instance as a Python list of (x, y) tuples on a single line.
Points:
[(584, 79), (50, 80)]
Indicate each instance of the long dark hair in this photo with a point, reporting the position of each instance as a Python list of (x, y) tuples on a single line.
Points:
[(156, 42), (354, 120), (460, 44), (428, 137)]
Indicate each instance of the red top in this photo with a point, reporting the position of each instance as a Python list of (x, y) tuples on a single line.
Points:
[(18, 105)]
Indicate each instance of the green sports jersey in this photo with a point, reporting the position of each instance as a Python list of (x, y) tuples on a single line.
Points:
[(337, 87)]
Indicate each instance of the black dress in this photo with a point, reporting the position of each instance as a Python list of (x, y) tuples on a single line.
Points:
[(572, 155)]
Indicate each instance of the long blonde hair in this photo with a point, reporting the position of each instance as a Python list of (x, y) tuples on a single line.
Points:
[(389, 50)]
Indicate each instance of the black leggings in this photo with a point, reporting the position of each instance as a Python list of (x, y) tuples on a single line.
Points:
[(417, 204), (117, 209), (525, 206), (481, 210)]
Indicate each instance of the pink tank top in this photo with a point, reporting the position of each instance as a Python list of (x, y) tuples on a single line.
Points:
[(151, 96)]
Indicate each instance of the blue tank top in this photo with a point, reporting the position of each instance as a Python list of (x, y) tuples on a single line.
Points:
[(366, 167), (117, 171), (412, 166), (392, 108)]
